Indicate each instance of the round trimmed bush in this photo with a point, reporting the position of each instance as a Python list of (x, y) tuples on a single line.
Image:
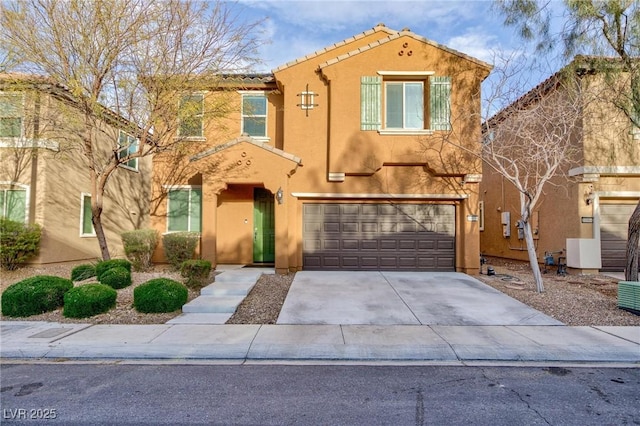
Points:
[(104, 265), (35, 295), (117, 277), (83, 272), (159, 295), (196, 272), (89, 300)]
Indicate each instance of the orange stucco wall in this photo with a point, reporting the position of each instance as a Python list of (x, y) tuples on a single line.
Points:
[(310, 144)]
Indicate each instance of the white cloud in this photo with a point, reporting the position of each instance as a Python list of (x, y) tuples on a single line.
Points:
[(478, 45)]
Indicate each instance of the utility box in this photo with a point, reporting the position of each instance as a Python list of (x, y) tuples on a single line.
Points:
[(583, 253), (505, 220)]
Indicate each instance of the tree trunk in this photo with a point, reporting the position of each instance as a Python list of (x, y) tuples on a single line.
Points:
[(533, 257), (631, 270), (96, 219)]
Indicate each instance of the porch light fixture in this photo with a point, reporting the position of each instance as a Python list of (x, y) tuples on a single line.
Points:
[(279, 196), (589, 195)]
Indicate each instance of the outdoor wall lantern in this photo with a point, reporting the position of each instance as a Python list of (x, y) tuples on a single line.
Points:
[(589, 195), (307, 99), (279, 196)]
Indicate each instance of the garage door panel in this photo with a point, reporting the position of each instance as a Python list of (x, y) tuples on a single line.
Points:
[(350, 244), (331, 227), (369, 261), (370, 227), (312, 245), (407, 245), (332, 244), (369, 244), (426, 245), (426, 262)]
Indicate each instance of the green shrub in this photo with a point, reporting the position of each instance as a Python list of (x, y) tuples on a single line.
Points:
[(117, 277), (139, 246), (195, 272), (35, 295), (83, 272), (180, 246), (89, 300), (104, 265), (159, 295), (18, 242)]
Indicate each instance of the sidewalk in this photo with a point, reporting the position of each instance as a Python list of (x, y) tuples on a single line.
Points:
[(243, 343)]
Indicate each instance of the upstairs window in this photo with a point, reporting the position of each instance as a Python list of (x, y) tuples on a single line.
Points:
[(13, 204), (11, 115), (254, 115), (191, 115), (184, 210), (404, 105), (421, 102), (128, 145)]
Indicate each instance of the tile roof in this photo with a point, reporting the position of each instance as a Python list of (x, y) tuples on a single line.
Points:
[(392, 35)]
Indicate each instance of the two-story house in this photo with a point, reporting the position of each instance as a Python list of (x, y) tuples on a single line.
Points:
[(44, 176), (350, 158), (584, 213)]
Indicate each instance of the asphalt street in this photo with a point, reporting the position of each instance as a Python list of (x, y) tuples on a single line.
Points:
[(145, 394)]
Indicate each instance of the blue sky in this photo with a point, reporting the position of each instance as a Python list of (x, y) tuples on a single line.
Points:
[(297, 28)]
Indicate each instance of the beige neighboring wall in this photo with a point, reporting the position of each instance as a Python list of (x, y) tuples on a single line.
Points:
[(56, 175)]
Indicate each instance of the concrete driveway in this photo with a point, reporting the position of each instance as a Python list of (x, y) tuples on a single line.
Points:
[(385, 298)]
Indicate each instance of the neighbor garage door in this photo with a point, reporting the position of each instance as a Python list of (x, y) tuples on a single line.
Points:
[(614, 224), (379, 236)]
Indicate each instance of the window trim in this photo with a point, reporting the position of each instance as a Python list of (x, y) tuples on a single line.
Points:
[(21, 97), (170, 188), (200, 137), (21, 187), (264, 95), (126, 148), (84, 195)]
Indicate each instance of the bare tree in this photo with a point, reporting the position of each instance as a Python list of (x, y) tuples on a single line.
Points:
[(608, 29), (133, 59), (530, 143)]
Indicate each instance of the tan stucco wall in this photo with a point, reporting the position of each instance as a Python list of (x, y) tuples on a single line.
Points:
[(62, 176)]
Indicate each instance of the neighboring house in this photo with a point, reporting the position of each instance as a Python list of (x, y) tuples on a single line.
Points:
[(345, 159), (583, 216), (44, 176)]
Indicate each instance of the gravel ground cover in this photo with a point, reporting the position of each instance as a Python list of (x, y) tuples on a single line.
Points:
[(577, 300)]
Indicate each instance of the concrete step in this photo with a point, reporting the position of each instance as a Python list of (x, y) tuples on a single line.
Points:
[(213, 304), (227, 289), (192, 318), (242, 275)]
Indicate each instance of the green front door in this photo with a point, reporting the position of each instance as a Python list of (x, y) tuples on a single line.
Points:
[(264, 241)]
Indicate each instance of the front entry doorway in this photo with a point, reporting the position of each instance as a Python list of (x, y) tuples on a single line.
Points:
[(264, 226)]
